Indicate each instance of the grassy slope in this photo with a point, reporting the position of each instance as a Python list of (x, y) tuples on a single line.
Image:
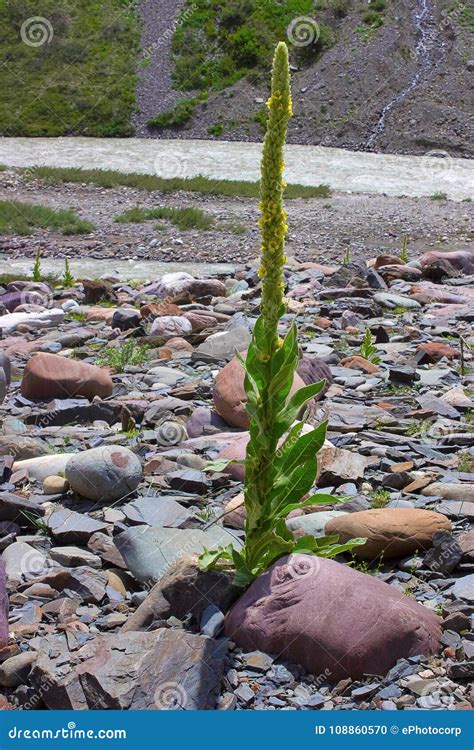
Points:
[(81, 82)]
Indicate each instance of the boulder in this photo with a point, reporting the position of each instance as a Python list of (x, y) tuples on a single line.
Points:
[(15, 670), (5, 365), (337, 465), (52, 376), (153, 310), (12, 300), (223, 345), (204, 421), (107, 473), (393, 532), (459, 491), (200, 322), (44, 319), (55, 485), (235, 451), (23, 447), (125, 318), (183, 590), (331, 619), (436, 350), (169, 326), (149, 552), (96, 290), (461, 260), (161, 670), (229, 394), (44, 466)]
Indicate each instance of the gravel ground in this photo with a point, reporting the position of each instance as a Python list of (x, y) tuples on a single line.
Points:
[(320, 229)]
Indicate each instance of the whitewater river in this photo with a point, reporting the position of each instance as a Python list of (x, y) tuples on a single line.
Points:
[(347, 171)]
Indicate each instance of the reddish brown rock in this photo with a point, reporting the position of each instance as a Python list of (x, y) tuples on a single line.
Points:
[(177, 344), (356, 362), (393, 532), (436, 350), (313, 370), (96, 290), (229, 394), (100, 315), (52, 376), (235, 512), (466, 542), (331, 619), (200, 322), (322, 323), (154, 310)]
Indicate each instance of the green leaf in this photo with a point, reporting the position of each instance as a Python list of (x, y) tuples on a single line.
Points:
[(305, 448), (211, 558), (219, 464), (308, 503)]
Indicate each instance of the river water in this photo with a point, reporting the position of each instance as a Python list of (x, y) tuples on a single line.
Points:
[(92, 268), (346, 171)]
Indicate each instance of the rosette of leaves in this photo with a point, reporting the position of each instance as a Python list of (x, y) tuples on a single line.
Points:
[(281, 461)]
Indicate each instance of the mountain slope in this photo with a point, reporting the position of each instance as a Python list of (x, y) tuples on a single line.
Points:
[(411, 58)]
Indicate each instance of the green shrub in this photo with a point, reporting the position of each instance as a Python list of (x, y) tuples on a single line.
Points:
[(128, 353), (368, 350), (175, 118), (216, 129), (22, 218), (183, 218)]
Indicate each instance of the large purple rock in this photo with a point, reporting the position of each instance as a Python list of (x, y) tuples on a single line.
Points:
[(331, 619), (3, 607), (12, 300)]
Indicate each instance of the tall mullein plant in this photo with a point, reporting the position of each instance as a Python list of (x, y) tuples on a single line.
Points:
[(279, 470)]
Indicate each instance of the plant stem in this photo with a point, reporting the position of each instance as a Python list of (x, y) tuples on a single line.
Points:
[(273, 228)]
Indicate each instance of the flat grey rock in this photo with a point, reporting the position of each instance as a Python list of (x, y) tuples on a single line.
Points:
[(149, 552)]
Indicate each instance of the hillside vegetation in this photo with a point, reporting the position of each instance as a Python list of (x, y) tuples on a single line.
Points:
[(69, 67)]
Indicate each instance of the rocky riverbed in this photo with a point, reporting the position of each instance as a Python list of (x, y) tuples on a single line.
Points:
[(322, 229), (121, 443)]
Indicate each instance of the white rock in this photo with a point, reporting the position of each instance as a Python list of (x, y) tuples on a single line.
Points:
[(48, 318)]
